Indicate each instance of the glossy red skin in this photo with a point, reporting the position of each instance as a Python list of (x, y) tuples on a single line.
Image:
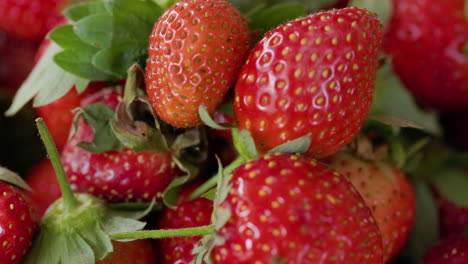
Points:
[(389, 194), (17, 225), (194, 59), (453, 219), (453, 250), (283, 95), (292, 209), (426, 39), (178, 250), (60, 124), (43, 182), (116, 176), (133, 252), (30, 19), (16, 61)]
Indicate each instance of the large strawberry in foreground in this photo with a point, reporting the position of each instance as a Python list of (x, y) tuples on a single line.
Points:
[(427, 40), (388, 193), (30, 19), (311, 76), (116, 176), (195, 53), (291, 209)]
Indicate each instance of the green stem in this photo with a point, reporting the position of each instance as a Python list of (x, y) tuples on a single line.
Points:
[(214, 180), (67, 194), (162, 233)]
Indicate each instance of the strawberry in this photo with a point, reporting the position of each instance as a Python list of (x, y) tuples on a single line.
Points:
[(310, 76), (292, 209), (16, 60), (60, 125), (16, 224), (387, 192), (116, 176), (133, 252), (30, 20), (192, 213), (195, 53), (43, 182), (426, 40), (452, 250), (453, 217)]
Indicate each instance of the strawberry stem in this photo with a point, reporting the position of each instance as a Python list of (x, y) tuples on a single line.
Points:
[(162, 233), (214, 180), (67, 194)]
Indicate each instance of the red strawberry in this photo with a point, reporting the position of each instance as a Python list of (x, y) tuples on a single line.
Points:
[(133, 252), (310, 76), (291, 209), (16, 60), (44, 184), (16, 224), (30, 19), (116, 176), (453, 250), (195, 52), (387, 192), (453, 218), (178, 250), (426, 40), (60, 124)]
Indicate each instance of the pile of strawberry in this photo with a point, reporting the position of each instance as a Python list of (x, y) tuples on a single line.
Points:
[(247, 132)]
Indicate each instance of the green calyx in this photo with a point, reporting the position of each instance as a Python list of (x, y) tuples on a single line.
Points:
[(88, 211)]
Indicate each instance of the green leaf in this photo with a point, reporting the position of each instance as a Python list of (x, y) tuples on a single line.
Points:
[(46, 78), (207, 120), (98, 240), (171, 194), (383, 8), (394, 121), (66, 38), (244, 144), (268, 18), (391, 98), (299, 145), (82, 10), (210, 195), (76, 250), (453, 185), (13, 178), (118, 30), (245, 6), (425, 231), (97, 36), (98, 116)]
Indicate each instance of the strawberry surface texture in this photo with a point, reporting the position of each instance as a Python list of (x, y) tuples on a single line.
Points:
[(195, 52), (310, 76), (426, 42), (287, 208)]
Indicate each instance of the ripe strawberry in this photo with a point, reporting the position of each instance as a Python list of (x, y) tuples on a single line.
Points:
[(185, 214), (116, 176), (43, 182), (30, 20), (453, 250), (16, 60), (453, 218), (291, 209), (310, 76), (133, 252), (60, 124), (195, 52), (387, 192), (426, 40), (17, 225)]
